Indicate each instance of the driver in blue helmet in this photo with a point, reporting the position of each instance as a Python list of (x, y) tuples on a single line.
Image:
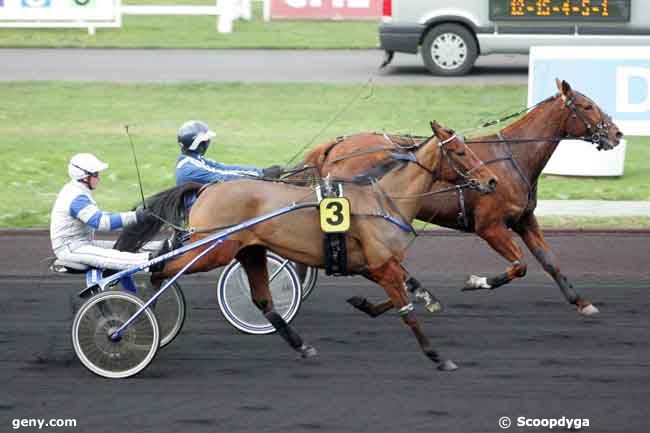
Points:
[(194, 139)]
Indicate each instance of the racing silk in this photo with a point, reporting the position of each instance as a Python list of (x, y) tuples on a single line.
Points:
[(193, 167), (75, 217)]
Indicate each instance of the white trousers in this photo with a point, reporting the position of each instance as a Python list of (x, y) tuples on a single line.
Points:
[(101, 255)]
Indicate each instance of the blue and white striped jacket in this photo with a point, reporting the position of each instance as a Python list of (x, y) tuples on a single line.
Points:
[(75, 217), (195, 168)]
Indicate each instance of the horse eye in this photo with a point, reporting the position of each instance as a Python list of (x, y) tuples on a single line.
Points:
[(589, 107), (460, 151)]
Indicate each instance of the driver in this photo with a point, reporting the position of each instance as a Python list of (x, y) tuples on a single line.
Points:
[(75, 218), (194, 139)]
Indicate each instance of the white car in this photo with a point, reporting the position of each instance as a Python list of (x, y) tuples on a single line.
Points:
[(451, 34)]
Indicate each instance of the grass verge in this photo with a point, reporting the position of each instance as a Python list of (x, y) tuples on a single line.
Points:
[(43, 124), (201, 32)]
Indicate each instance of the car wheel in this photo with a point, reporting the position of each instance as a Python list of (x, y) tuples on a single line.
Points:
[(449, 49)]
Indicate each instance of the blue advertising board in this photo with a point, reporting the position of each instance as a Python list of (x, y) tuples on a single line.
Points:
[(616, 78)]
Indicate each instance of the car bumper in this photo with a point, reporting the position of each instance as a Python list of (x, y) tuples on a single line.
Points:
[(403, 39)]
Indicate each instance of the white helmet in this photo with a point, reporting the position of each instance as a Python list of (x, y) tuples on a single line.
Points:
[(195, 136), (83, 165)]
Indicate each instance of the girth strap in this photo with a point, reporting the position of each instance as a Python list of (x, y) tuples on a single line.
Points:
[(462, 213)]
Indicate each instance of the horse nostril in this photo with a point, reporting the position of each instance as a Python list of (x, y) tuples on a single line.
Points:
[(492, 183), (619, 135)]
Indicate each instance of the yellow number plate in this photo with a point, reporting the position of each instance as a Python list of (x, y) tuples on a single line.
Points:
[(334, 215)]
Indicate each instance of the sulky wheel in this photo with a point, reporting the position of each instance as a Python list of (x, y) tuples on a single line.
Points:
[(234, 295), (307, 275), (95, 322), (170, 308)]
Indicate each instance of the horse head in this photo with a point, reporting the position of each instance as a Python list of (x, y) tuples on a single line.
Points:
[(587, 119), (462, 160)]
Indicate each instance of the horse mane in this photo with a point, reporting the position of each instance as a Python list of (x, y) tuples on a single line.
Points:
[(169, 205), (376, 172)]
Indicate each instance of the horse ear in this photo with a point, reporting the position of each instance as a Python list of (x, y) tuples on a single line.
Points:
[(563, 87), (434, 127)]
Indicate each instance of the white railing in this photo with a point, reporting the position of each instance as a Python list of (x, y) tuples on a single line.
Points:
[(108, 13), (227, 11)]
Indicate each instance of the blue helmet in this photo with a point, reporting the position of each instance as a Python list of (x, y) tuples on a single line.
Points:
[(194, 136)]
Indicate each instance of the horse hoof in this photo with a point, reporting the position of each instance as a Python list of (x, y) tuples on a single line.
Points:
[(356, 301), (474, 282), (307, 351), (447, 365), (588, 310)]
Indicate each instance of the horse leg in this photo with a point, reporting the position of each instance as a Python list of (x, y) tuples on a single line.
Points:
[(301, 270), (421, 294), (501, 240), (372, 310), (253, 259), (532, 236), (391, 276)]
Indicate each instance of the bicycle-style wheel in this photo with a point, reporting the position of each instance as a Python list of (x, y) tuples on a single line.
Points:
[(170, 308), (98, 318), (308, 277), (234, 295)]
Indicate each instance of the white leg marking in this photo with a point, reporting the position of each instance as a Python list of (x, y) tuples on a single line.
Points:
[(476, 282), (588, 310)]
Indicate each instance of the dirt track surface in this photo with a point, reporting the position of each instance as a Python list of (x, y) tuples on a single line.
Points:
[(522, 352)]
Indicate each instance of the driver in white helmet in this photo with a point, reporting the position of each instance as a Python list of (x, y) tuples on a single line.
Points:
[(75, 218)]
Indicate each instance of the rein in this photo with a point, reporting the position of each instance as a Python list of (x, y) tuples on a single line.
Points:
[(430, 193), (593, 137), (510, 116), (367, 151)]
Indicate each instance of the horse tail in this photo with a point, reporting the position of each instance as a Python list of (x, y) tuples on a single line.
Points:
[(168, 206)]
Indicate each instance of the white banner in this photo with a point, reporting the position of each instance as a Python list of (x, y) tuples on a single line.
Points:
[(60, 13)]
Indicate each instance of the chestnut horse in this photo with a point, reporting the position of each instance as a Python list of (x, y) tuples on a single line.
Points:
[(517, 154), (372, 250)]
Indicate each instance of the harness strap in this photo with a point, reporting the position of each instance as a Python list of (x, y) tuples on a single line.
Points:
[(530, 189), (514, 162), (364, 152), (391, 203), (326, 153)]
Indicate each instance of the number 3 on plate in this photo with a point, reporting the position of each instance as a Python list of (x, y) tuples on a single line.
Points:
[(334, 215)]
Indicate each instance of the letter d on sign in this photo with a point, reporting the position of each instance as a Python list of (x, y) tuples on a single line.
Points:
[(624, 75)]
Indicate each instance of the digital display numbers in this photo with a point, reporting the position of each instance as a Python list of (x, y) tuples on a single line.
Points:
[(563, 10)]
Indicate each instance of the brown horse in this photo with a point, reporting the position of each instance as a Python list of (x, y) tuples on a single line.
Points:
[(517, 155), (375, 247)]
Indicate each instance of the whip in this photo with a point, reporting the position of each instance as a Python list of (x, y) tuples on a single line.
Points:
[(137, 168)]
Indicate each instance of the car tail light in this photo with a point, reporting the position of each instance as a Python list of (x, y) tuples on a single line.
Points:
[(387, 10)]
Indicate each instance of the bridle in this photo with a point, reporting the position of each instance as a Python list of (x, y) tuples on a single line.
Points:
[(437, 174), (594, 133), (464, 174)]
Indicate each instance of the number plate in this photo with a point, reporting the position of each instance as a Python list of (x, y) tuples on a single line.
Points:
[(334, 215)]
